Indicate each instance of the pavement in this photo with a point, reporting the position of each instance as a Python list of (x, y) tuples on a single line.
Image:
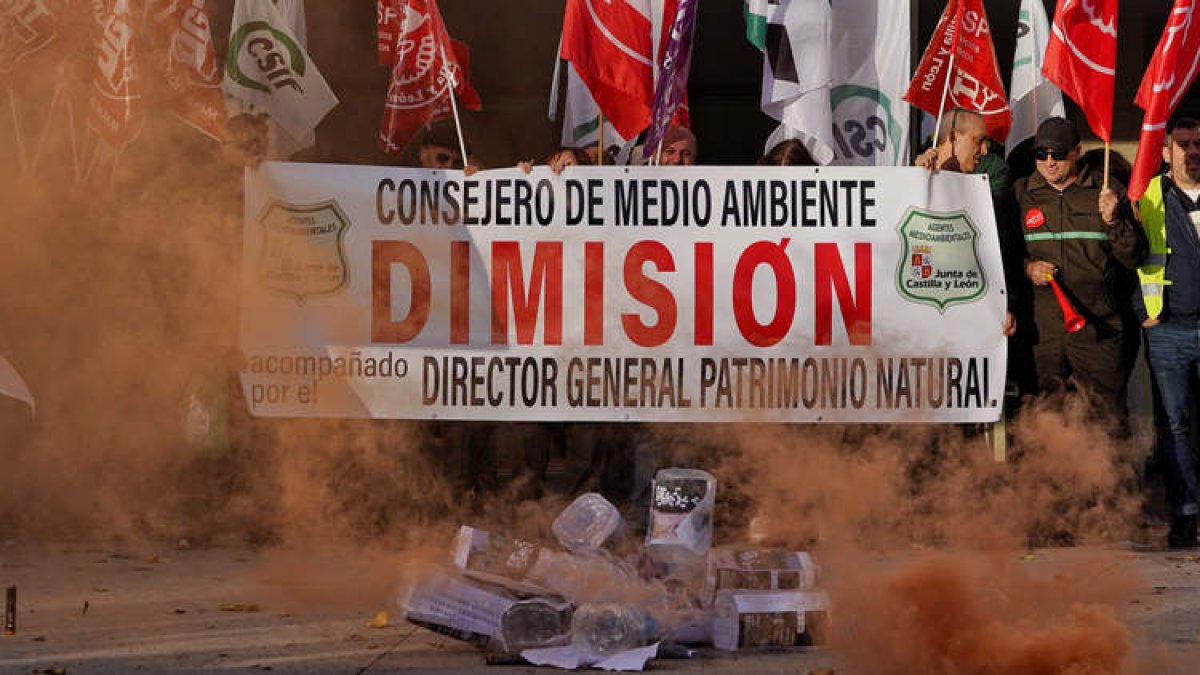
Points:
[(98, 610)]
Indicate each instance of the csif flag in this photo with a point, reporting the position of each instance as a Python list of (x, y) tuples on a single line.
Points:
[(268, 70), (1032, 97), (795, 38), (428, 69), (870, 73), (1081, 58), (1171, 72), (182, 49), (670, 92), (961, 51), (610, 45), (115, 110)]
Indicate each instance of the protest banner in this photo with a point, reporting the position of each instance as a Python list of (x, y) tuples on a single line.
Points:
[(836, 294)]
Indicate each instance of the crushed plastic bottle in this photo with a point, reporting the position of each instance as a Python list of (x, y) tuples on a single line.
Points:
[(588, 523), (601, 630), (536, 623)]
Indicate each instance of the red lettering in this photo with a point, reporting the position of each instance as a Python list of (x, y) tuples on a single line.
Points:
[(772, 255), (704, 293), (829, 273), (593, 293), (384, 254), (508, 280), (649, 292), (460, 292)]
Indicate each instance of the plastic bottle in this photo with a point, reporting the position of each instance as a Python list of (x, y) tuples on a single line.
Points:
[(534, 624), (588, 523), (601, 630)]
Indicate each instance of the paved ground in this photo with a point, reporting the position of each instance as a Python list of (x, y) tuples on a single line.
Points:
[(92, 610)]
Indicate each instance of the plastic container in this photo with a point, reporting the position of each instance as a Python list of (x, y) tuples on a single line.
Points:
[(681, 516), (588, 523), (536, 623), (601, 630)]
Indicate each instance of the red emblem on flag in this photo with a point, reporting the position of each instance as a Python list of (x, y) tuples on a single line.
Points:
[(975, 84), (1081, 58), (427, 65)]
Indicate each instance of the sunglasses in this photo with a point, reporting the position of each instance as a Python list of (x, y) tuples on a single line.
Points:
[(1042, 154)]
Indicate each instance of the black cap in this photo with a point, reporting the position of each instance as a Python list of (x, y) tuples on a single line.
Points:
[(1057, 134)]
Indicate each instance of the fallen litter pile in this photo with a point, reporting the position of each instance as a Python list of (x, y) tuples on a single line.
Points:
[(588, 605)]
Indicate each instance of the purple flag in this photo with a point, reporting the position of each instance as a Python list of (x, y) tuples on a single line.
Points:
[(673, 75)]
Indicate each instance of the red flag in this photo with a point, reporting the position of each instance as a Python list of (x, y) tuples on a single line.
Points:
[(183, 50), (115, 110), (1081, 58), (388, 16), (428, 63), (975, 82), (27, 27), (610, 45), (1171, 72)]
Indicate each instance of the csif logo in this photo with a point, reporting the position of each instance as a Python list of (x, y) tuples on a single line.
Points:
[(267, 59), (864, 127)]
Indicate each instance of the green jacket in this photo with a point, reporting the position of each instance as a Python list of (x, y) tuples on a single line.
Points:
[(1095, 261)]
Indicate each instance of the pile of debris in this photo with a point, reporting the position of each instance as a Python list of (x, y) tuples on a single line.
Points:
[(588, 605)]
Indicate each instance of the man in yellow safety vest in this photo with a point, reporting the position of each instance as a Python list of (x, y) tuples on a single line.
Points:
[(1169, 306)]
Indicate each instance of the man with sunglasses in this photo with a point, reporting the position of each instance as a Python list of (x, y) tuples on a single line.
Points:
[(1169, 307), (1086, 238)]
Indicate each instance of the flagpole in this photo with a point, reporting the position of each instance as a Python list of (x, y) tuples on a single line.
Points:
[(949, 73), (18, 131), (462, 144), (1107, 152)]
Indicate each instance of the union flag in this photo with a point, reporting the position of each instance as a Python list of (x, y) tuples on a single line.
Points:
[(1081, 58)]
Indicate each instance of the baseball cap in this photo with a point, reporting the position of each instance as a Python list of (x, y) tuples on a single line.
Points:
[(1057, 134)]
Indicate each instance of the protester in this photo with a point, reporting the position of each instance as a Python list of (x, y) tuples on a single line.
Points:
[(788, 153), (559, 160), (678, 147), (1169, 306), (609, 157), (438, 148), (961, 143), (1086, 238)]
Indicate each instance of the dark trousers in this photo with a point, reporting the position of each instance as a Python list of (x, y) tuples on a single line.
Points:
[(1173, 351)]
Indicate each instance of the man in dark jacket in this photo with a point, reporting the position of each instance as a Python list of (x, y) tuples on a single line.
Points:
[(1086, 238), (1169, 307)]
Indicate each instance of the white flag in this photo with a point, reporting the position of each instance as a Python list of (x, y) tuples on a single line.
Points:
[(797, 71), (12, 385), (1033, 98), (268, 70), (871, 49), (581, 117)]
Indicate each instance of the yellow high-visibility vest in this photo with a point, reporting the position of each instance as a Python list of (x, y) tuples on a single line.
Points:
[(1153, 272)]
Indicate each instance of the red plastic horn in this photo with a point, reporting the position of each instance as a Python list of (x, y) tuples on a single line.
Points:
[(1072, 321)]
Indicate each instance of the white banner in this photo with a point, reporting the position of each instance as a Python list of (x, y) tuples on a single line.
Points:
[(837, 294)]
